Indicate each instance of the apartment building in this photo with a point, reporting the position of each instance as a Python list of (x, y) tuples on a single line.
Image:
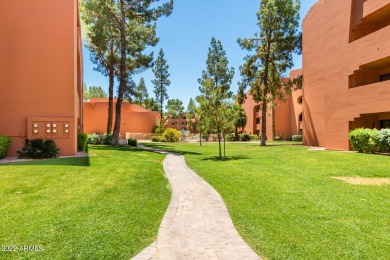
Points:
[(41, 72), (346, 70), (288, 114)]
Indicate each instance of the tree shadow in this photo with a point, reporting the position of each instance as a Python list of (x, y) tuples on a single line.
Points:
[(73, 161), (227, 158), (168, 148)]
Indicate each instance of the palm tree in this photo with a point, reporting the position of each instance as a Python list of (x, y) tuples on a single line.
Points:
[(241, 119)]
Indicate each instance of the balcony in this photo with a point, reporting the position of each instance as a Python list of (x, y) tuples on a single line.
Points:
[(371, 73), (369, 16)]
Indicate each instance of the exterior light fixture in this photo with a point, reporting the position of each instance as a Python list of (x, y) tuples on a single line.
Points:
[(66, 131), (48, 131), (54, 125), (54, 131), (35, 125), (48, 125), (35, 131), (66, 125)]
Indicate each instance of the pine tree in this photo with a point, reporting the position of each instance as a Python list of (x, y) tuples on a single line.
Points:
[(175, 108), (271, 53), (215, 88), (191, 110), (161, 82), (141, 94)]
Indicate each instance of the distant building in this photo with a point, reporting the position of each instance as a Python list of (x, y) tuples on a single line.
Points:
[(134, 118), (346, 70), (181, 123), (41, 72), (288, 115)]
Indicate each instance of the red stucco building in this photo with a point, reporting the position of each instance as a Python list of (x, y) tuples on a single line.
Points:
[(41, 72), (346, 70)]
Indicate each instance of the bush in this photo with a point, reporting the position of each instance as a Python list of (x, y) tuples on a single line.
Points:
[(278, 138), (171, 135), (95, 138), (5, 144), (158, 139), (230, 137), (82, 141), (39, 149), (160, 129), (132, 142), (296, 138), (363, 140), (107, 139), (383, 140), (245, 137), (254, 137)]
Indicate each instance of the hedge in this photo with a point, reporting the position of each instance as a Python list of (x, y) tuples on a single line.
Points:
[(5, 144)]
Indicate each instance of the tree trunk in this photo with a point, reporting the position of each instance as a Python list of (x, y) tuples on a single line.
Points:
[(263, 123), (224, 146), (161, 109), (200, 138), (265, 93), (122, 84), (236, 133), (110, 100), (273, 124), (219, 143)]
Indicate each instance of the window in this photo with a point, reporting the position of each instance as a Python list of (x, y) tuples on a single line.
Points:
[(300, 117), (385, 124), (258, 121), (384, 77), (183, 123), (257, 108), (300, 100)]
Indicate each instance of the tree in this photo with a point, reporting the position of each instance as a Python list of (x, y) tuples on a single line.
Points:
[(132, 24), (129, 91), (175, 108), (272, 51), (94, 92), (215, 88), (151, 104), (240, 119), (141, 93), (161, 82), (103, 45), (191, 111)]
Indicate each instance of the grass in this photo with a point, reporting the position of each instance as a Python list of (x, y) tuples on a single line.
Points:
[(107, 206), (286, 205)]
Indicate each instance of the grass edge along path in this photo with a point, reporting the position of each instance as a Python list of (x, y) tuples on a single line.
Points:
[(285, 203), (107, 206)]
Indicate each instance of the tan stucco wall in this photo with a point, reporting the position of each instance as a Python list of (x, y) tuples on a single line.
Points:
[(134, 119), (330, 57), (41, 67)]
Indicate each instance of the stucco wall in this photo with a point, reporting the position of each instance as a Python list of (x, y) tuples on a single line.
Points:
[(39, 49), (134, 119), (330, 57)]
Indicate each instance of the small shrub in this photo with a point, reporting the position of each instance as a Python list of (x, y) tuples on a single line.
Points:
[(107, 139), (171, 135), (157, 139), (39, 149), (296, 138), (230, 137), (383, 140), (95, 138), (289, 138), (160, 129), (5, 144), (254, 137), (132, 142), (363, 140), (278, 138), (245, 137), (82, 141)]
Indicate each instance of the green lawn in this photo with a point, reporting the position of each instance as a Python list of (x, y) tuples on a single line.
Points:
[(107, 206), (285, 204)]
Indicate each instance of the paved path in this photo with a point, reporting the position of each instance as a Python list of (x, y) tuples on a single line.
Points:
[(197, 224)]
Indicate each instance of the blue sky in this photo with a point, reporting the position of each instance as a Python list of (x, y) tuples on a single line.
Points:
[(185, 37)]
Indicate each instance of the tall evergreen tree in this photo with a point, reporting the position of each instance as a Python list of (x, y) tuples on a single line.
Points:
[(141, 94), (175, 109), (161, 82), (132, 22), (191, 111), (94, 92), (215, 88), (271, 53)]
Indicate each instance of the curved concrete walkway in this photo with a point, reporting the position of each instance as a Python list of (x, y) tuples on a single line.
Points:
[(197, 224)]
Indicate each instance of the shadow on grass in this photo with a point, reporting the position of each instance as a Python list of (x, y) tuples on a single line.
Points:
[(227, 158), (75, 161), (168, 148)]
